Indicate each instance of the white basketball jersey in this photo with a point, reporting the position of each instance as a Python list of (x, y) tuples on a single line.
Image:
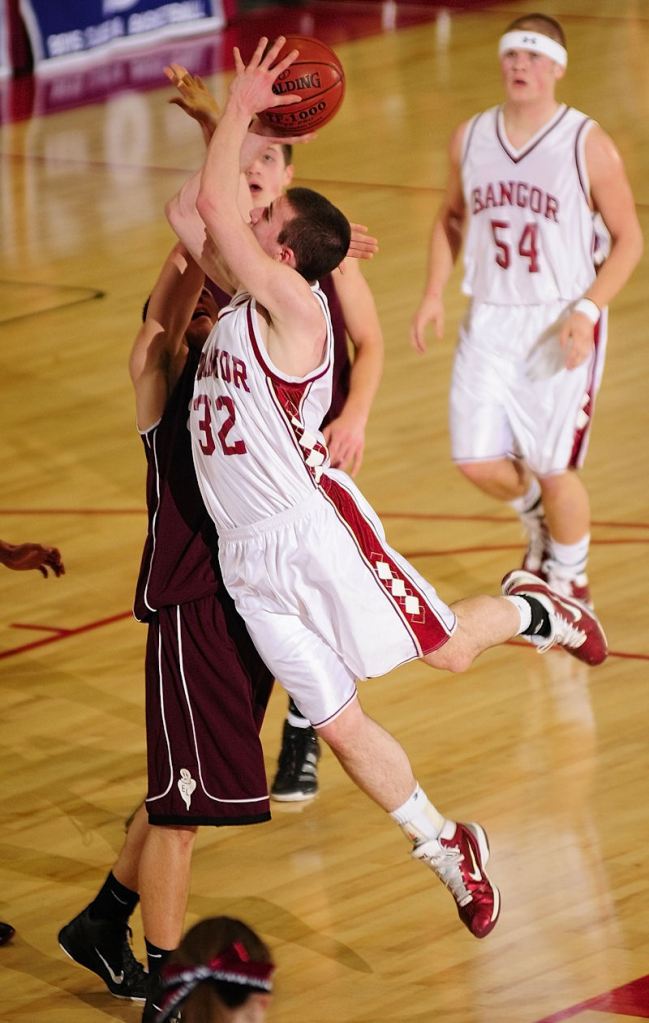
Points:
[(255, 432), (530, 229)]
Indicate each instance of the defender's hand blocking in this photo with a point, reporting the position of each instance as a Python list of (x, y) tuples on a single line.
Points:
[(345, 439), (194, 96), (252, 86), (362, 245)]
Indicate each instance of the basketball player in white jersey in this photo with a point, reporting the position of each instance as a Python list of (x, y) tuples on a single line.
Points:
[(354, 316), (324, 597), (528, 183)]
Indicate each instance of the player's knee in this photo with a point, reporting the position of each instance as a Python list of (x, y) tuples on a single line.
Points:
[(182, 837), (343, 731)]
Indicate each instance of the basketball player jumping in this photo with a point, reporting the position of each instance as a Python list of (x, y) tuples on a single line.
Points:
[(354, 314), (324, 597), (526, 180)]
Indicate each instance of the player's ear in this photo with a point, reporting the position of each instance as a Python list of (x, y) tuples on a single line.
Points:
[(559, 71), (289, 173), (286, 255)]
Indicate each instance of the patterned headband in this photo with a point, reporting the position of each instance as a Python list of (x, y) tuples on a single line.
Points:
[(232, 966), (534, 41)]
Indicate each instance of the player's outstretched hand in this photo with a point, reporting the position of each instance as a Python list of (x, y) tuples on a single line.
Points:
[(252, 86), (431, 310), (345, 437), (24, 556), (576, 337), (362, 245), (193, 96)]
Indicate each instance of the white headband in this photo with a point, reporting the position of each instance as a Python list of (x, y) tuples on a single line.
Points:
[(534, 41)]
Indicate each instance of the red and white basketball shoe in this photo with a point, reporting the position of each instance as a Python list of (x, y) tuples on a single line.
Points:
[(573, 625), (575, 586), (459, 863)]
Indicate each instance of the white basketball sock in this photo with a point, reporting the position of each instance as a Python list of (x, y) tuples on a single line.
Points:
[(528, 502), (569, 559), (524, 609), (420, 820), (297, 722)]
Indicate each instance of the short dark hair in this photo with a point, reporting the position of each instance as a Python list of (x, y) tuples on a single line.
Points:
[(318, 234), (287, 150), (542, 23)]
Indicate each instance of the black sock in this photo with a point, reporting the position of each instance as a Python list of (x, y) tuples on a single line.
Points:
[(540, 623), (113, 901), (156, 957)]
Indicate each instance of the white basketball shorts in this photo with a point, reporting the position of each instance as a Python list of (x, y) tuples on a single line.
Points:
[(511, 393), (326, 600)]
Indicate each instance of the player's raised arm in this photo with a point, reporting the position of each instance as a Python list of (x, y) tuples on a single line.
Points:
[(154, 359), (262, 274)]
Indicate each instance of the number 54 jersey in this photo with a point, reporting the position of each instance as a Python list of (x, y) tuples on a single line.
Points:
[(256, 442), (530, 233)]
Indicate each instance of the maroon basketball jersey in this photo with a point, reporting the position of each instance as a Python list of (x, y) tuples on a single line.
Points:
[(179, 562), (342, 363)]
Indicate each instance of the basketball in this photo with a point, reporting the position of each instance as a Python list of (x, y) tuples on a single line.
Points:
[(317, 77)]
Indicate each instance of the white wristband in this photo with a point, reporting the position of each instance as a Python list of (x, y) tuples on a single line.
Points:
[(588, 308)]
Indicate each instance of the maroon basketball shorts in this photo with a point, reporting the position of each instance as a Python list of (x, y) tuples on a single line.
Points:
[(206, 694)]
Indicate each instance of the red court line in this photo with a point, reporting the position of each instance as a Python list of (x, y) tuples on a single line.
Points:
[(89, 627), (39, 628), (487, 547), (627, 1000), (503, 520), (413, 516), (73, 511)]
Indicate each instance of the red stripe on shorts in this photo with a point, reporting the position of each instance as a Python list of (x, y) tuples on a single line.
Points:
[(427, 631), (587, 408)]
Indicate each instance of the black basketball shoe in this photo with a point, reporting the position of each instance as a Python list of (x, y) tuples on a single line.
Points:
[(103, 946), (297, 767), (154, 1000)]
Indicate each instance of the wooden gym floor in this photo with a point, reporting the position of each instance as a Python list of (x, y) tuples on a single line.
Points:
[(551, 757)]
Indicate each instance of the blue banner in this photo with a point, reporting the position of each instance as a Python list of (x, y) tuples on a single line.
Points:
[(60, 33)]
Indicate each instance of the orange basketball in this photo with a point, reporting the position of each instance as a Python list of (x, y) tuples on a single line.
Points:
[(317, 77)]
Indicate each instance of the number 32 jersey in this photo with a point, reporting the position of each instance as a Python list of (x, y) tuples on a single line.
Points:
[(530, 233), (255, 432)]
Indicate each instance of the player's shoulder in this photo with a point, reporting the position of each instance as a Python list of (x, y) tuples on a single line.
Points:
[(602, 154), (483, 119)]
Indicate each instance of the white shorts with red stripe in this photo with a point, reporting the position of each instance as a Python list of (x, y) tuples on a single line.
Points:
[(326, 600), (511, 393)]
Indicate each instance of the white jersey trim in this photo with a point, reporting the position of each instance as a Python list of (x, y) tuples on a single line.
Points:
[(516, 155)]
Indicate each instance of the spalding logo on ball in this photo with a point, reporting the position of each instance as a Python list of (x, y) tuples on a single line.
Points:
[(317, 77)]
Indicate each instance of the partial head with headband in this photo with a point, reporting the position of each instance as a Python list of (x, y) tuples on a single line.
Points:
[(232, 966), (536, 42)]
